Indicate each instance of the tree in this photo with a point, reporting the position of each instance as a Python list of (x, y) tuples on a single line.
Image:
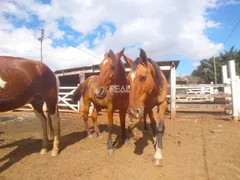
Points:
[(206, 68)]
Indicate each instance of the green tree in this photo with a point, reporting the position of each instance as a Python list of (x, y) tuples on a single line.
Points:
[(206, 68)]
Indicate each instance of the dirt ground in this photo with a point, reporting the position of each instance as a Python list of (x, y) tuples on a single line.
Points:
[(196, 146)]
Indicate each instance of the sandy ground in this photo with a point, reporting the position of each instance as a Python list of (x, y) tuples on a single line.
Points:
[(196, 146)]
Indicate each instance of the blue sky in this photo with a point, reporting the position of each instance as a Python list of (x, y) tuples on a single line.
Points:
[(228, 17), (84, 27)]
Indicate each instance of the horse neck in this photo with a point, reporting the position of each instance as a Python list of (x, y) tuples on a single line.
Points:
[(155, 80), (120, 77)]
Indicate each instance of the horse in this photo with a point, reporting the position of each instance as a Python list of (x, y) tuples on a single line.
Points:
[(86, 90), (148, 89), (111, 92), (25, 81)]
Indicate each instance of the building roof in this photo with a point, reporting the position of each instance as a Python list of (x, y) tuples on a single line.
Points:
[(164, 65)]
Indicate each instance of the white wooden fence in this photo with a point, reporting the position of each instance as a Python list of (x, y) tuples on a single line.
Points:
[(64, 99), (199, 94), (189, 93)]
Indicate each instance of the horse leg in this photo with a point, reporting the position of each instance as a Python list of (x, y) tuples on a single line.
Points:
[(145, 120), (123, 124), (94, 119), (38, 110), (153, 124), (85, 117), (54, 116), (160, 127), (110, 126)]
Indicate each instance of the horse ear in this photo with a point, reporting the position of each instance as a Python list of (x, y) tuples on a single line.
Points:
[(143, 56), (112, 56), (105, 55), (120, 54), (128, 60)]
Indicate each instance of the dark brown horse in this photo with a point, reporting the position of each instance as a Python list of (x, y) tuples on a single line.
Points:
[(86, 90), (25, 81), (112, 91), (148, 88)]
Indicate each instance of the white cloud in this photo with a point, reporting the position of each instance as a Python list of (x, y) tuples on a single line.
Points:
[(162, 28), (195, 63), (213, 24)]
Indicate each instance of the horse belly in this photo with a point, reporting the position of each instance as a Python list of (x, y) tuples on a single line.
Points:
[(7, 105), (15, 87)]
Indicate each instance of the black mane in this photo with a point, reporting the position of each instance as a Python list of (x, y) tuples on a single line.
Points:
[(155, 66)]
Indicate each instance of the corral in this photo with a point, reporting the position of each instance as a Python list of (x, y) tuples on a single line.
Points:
[(196, 146)]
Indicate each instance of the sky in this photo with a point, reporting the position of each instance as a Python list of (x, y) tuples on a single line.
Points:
[(79, 32)]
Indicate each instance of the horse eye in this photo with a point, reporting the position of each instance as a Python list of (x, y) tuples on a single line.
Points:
[(143, 78), (112, 68)]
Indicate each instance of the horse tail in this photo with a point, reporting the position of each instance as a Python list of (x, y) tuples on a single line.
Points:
[(78, 92)]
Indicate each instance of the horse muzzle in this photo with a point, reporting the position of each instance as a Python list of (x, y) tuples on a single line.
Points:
[(136, 113), (100, 93)]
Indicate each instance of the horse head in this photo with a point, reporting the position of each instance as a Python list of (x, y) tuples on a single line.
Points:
[(108, 72), (142, 82)]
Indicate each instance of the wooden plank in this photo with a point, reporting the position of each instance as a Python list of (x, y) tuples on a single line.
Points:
[(66, 87), (194, 105), (201, 110), (65, 105), (203, 95), (63, 100), (173, 91), (185, 86)]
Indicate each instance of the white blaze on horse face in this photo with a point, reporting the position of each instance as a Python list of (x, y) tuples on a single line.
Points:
[(133, 75), (2, 83), (105, 61)]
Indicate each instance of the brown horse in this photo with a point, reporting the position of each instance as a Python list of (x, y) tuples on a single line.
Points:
[(25, 81), (148, 88), (86, 90), (112, 91)]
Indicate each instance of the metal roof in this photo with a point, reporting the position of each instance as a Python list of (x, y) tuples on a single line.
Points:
[(95, 68)]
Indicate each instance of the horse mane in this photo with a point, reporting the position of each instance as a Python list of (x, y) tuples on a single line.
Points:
[(122, 68), (157, 71), (155, 67)]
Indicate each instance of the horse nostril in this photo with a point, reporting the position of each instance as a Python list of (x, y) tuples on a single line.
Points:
[(138, 111)]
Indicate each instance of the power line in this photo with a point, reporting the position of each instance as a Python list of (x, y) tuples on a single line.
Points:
[(232, 31), (36, 27)]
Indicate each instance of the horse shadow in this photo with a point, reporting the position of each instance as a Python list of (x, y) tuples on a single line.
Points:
[(28, 146), (142, 142)]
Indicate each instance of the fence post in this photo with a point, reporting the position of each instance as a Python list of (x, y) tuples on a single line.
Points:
[(238, 90), (173, 91), (232, 70), (225, 78)]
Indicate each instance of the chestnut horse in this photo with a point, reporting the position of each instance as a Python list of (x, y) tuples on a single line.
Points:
[(112, 77), (25, 81), (86, 90), (148, 88)]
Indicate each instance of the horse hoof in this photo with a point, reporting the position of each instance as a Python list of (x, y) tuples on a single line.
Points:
[(43, 151), (90, 136), (127, 141), (54, 152), (110, 152), (99, 134), (157, 162)]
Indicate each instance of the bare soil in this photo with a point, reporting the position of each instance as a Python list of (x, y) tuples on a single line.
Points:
[(196, 146)]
